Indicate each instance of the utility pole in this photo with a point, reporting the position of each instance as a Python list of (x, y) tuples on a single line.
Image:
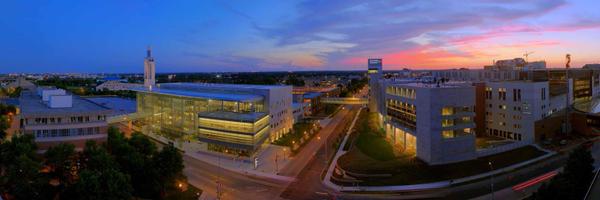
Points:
[(491, 179), (219, 180)]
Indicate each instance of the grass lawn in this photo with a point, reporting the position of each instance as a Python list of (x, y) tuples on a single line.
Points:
[(372, 154), (371, 138)]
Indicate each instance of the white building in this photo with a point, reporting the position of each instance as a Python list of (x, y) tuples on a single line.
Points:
[(434, 121)]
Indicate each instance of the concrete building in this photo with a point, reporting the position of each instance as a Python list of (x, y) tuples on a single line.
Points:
[(434, 121), (298, 111), (513, 107), (375, 73), (54, 117), (226, 118)]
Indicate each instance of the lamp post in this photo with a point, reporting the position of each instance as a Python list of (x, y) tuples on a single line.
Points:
[(491, 179)]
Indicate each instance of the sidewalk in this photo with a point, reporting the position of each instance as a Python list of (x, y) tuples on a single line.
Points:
[(267, 166), (267, 170), (416, 187)]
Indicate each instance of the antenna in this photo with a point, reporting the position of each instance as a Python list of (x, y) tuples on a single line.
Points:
[(149, 51)]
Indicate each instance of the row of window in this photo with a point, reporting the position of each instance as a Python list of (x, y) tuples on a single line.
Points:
[(402, 92), (504, 134), (456, 121), (451, 110), (67, 132), (447, 134), (516, 94), (59, 120), (402, 113), (501, 123)]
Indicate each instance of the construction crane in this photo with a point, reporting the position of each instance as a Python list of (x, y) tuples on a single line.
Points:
[(568, 65), (526, 54)]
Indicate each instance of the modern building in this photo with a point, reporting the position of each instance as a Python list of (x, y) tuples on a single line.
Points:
[(227, 118), (433, 120), (53, 116), (298, 111), (375, 73), (513, 107)]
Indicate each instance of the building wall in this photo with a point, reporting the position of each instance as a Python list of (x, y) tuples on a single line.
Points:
[(511, 117), (279, 102), (49, 129), (414, 118), (375, 72)]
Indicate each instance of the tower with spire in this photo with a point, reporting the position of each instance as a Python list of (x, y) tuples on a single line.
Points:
[(149, 70)]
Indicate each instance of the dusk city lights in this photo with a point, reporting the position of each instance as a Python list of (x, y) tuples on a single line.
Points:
[(300, 100)]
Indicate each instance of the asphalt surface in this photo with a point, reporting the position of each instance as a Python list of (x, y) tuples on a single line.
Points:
[(232, 185), (308, 183)]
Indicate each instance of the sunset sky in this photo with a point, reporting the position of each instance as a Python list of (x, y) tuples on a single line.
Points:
[(278, 35)]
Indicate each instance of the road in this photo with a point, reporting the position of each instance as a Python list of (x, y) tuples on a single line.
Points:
[(237, 186), (508, 193), (234, 185), (308, 183)]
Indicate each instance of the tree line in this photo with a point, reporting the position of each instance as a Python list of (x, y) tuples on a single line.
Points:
[(121, 168)]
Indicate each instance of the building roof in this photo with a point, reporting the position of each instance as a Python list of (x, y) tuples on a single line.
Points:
[(118, 105), (224, 86), (228, 92), (233, 116), (31, 104), (205, 95)]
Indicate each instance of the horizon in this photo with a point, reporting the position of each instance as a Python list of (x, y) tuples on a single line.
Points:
[(213, 36)]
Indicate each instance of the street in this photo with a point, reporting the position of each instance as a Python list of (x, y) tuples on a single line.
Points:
[(233, 185), (306, 166), (308, 183)]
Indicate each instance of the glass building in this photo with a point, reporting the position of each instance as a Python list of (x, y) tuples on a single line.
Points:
[(223, 118)]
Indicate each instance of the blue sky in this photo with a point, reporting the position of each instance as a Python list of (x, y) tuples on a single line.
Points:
[(274, 35)]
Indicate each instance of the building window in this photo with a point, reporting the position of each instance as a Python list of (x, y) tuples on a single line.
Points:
[(502, 93), (543, 93), (516, 94)]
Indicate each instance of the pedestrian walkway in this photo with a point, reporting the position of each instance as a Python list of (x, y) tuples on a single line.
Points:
[(416, 187), (266, 167)]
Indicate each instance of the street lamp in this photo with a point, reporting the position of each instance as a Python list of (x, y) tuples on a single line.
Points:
[(491, 178)]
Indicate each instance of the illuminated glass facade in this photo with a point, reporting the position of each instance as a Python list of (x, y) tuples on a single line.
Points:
[(231, 125)]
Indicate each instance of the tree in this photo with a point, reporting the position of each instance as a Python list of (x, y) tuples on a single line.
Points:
[(17, 146), (24, 181), (142, 144), (107, 184), (169, 164), (60, 159), (4, 124), (573, 182)]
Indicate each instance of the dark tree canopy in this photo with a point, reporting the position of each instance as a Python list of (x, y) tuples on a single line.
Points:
[(573, 182)]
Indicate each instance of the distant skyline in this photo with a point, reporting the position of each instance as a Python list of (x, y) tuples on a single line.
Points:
[(273, 35)]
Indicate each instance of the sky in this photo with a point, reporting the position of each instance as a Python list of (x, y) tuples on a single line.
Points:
[(111, 36)]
